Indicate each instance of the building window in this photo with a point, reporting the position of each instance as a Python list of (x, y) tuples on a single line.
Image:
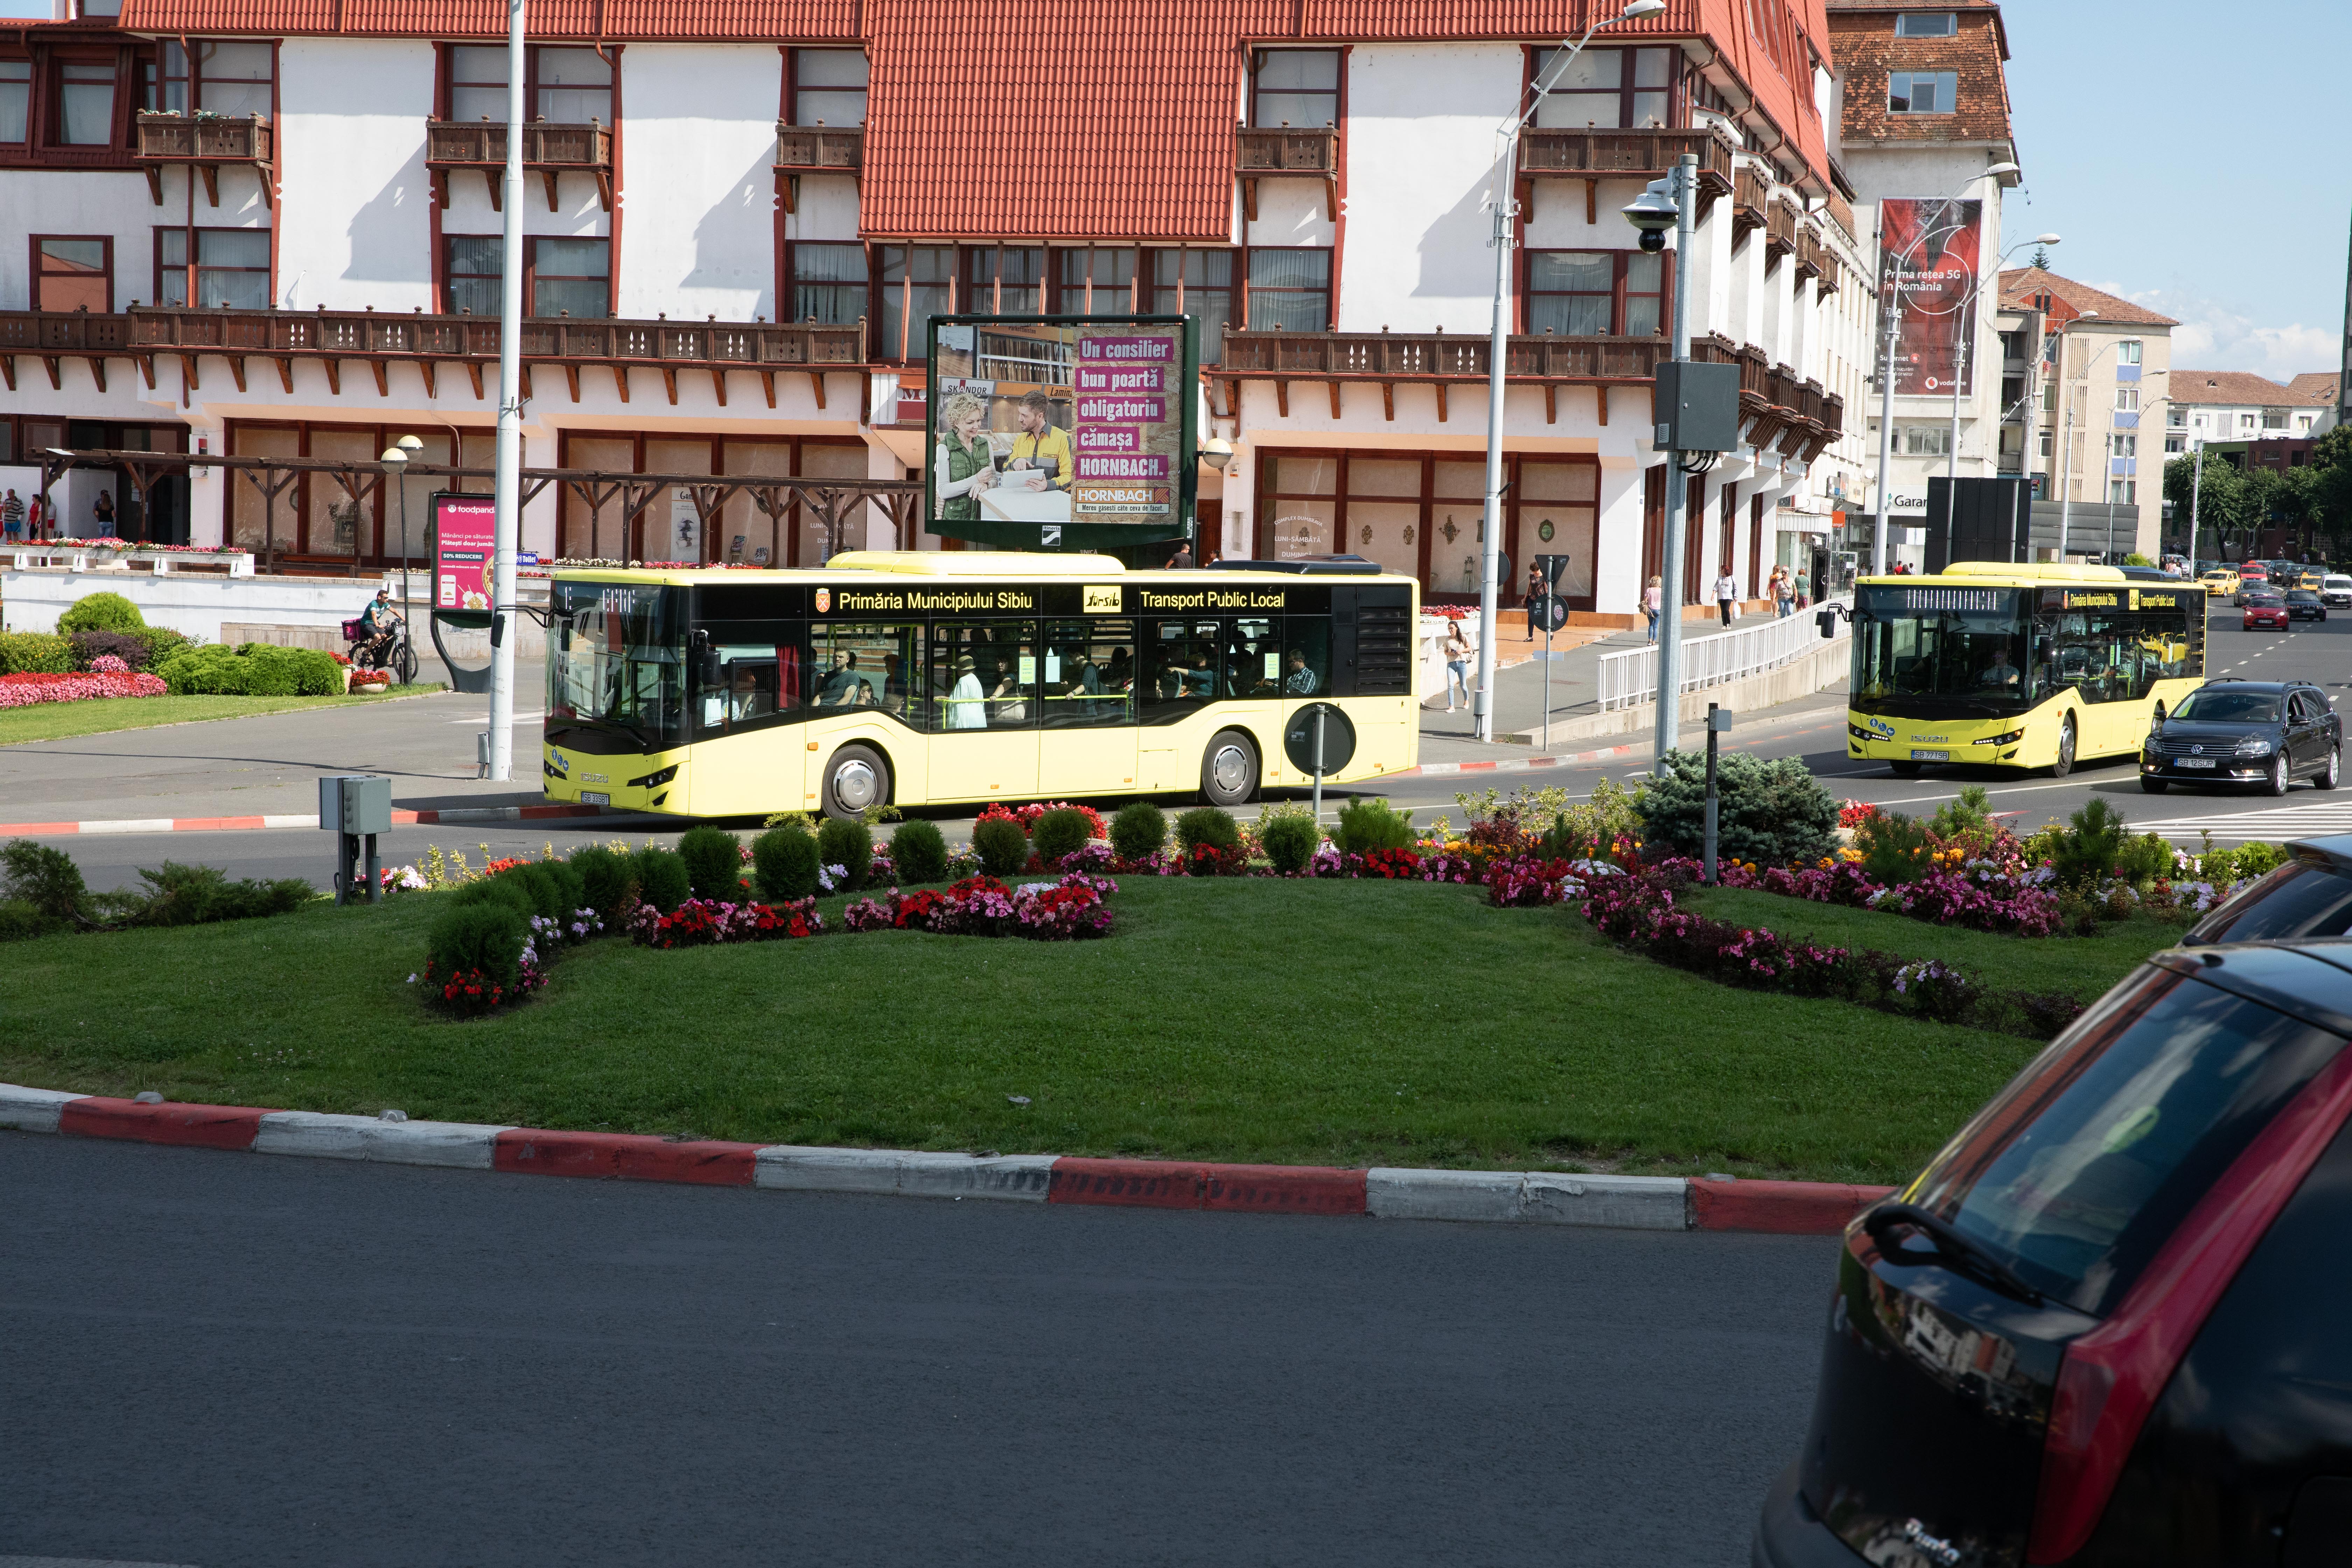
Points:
[(2246, 422), (2050, 397), (1295, 87), (474, 281), (15, 99), (1289, 291), (2175, 443), (2049, 443), (1594, 292), (570, 278), (477, 82), (2273, 418), (85, 104), (1097, 281), (562, 86), (229, 78), (231, 268), (1607, 88), (1926, 25), (1005, 279), (2127, 351), (2123, 492), (2126, 399), (1926, 440), (828, 87), (2178, 416), (1198, 284), (73, 273), (1922, 92), (2122, 446), (916, 281), (828, 282)]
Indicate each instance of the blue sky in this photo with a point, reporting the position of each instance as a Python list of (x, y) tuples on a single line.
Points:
[(2187, 152)]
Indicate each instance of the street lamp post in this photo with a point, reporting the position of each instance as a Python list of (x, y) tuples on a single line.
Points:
[(1968, 344), (507, 536), (395, 465), (1506, 208)]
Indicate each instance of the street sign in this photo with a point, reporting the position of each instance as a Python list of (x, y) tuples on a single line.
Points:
[(1338, 739), (1548, 614)]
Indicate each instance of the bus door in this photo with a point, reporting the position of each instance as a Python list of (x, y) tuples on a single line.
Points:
[(1086, 696), (1178, 682), (979, 699)]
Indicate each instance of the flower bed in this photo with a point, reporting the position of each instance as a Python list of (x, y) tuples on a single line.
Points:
[(1981, 895), (1027, 815), (1065, 910), (26, 689), (706, 923)]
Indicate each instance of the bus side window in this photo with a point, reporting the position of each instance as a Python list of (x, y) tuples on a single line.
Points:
[(1088, 674), (1253, 657), (1306, 655), (1180, 670)]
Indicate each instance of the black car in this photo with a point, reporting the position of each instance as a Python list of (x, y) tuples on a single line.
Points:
[(2105, 1327), (2265, 732), (2305, 605)]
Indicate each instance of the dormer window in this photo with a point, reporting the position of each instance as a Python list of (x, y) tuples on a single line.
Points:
[(1926, 25)]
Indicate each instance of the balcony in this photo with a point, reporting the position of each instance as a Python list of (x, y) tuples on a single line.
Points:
[(1781, 224), (429, 342), (203, 143), (1432, 359), (814, 150), (1777, 406), (1752, 195), (1591, 154), (1260, 152), (551, 149)]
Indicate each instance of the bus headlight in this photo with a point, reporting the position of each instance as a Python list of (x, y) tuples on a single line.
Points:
[(2010, 739), (656, 779)]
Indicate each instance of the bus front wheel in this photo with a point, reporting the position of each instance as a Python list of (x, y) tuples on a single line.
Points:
[(1229, 770), (2066, 762), (856, 780)]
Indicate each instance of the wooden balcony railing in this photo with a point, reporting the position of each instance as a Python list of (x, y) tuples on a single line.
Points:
[(1808, 252), (1441, 358), (203, 143), (1777, 404), (1751, 194), (332, 338), (1780, 224), (1259, 152), (814, 150), (1549, 152), (551, 149)]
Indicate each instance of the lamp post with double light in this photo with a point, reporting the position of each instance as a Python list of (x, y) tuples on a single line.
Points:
[(1505, 206)]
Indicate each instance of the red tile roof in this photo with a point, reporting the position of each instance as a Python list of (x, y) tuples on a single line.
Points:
[(2019, 284), (667, 20), (2315, 388), (1867, 51), (2236, 387)]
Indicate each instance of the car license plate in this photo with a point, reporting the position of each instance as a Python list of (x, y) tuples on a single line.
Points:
[(593, 797), (2199, 762), (1919, 756)]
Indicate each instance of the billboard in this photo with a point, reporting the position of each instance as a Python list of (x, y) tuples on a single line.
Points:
[(465, 538), (1930, 251), (1062, 431)]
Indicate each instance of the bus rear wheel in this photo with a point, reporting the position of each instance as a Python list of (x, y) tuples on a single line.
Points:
[(1229, 769), (856, 780)]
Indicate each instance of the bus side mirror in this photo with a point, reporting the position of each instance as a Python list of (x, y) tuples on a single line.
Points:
[(705, 660), (1827, 621)]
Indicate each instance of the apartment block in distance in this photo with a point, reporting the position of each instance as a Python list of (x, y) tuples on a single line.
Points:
[(274, 227)]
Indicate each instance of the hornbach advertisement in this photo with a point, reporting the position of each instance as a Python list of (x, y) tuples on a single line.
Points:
[(1062, 431), (1931, 255)]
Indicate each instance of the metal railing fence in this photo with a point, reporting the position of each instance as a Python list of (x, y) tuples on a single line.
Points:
[(1631, 676)]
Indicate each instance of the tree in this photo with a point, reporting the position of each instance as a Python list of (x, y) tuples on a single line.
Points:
[(2042, 257), (2222, 504)]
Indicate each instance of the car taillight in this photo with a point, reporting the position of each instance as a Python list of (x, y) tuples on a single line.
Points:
[(2112, 1376)]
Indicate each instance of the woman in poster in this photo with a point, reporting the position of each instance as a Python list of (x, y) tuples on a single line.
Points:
[(963, 463)]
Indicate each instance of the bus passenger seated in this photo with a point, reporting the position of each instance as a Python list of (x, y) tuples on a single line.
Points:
[(1299, 680), (1200, 682), (967, 708), (894, 683), (841, 685), (1121, 674)]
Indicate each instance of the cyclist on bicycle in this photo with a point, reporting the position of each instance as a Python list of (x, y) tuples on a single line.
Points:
[(378, 621)]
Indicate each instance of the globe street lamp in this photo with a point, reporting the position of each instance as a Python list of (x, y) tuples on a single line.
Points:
[(395, 467)]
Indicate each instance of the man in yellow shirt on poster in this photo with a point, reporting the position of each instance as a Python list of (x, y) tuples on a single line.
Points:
[(1040, 445)]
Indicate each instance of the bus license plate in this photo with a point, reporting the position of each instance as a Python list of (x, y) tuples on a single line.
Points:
[(1919, 756), (591, 797), (2198, 762)]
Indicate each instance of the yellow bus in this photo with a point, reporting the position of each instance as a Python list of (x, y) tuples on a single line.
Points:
[(926, 678), (2018, 666)]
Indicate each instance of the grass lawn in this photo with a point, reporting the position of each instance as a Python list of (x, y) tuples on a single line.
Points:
[(2085, 966), (1328, 1023), (63, 721)]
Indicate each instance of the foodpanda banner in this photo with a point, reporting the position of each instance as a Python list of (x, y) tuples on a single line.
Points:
[(1930, 251)]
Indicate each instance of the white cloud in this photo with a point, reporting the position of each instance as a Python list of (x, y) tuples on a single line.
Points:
[(2211, 336)]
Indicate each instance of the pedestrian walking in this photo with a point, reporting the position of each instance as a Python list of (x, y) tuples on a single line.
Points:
[(1650, 604), (103, 514), (1457, 664), (1727, 593), (1534, 596), (11, 517), (1784, 592)]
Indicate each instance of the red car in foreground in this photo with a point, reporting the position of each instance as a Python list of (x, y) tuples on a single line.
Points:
[(2263, 610)]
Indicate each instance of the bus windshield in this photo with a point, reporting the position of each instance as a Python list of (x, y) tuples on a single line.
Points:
[(1941, 653), (616, 660)]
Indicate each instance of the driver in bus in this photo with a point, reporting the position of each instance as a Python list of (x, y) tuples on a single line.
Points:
[(2000, 672)]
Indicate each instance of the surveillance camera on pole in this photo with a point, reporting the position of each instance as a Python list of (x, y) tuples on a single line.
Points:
[(1654, 212)]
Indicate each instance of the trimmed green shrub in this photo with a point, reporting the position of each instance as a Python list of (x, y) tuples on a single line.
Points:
[(1002, 847), (1139, 831), (179, 895), (605, 879), (162, 642), (783, 864), (1207, 825), (571, 892), (546, 893), (503, 891), (1370, 824), (44, 877), (663, 881), (34, 653), (1767, 813), (484, 934), (101, 612), (918, 851), (1289, 843), (850, 845), (1060, 832), (714, 863), (19, 920), (251, 670)]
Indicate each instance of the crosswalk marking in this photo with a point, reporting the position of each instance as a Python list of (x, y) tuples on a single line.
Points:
[(2275, 824)]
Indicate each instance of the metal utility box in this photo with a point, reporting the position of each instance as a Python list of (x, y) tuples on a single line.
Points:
[(1697, 406), (355, 804)]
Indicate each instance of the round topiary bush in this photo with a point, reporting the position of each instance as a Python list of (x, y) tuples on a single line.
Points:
[(1767, 813), (783, 864), (1140, 831), (482, 936), (850, 845), (714, 863), (1290, 843), (1058, 833), (546, 893), (604, 879), (1002, 847), (507, 892), (919, 852), (1207, 825), (101, 612), (663, 881)]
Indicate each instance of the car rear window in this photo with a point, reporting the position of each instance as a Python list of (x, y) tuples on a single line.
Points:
[(2081, 1169), (2299, 899)]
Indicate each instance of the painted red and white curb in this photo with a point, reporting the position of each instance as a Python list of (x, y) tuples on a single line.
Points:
[(1519, 764), (1635, 1202), (460, 817)]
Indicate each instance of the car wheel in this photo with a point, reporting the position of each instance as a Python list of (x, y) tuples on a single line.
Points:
[(856, 780), (1906, 770), (2066, 762), (1229, 769), (2327, 776), (2154, 787), (2279, 780)]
